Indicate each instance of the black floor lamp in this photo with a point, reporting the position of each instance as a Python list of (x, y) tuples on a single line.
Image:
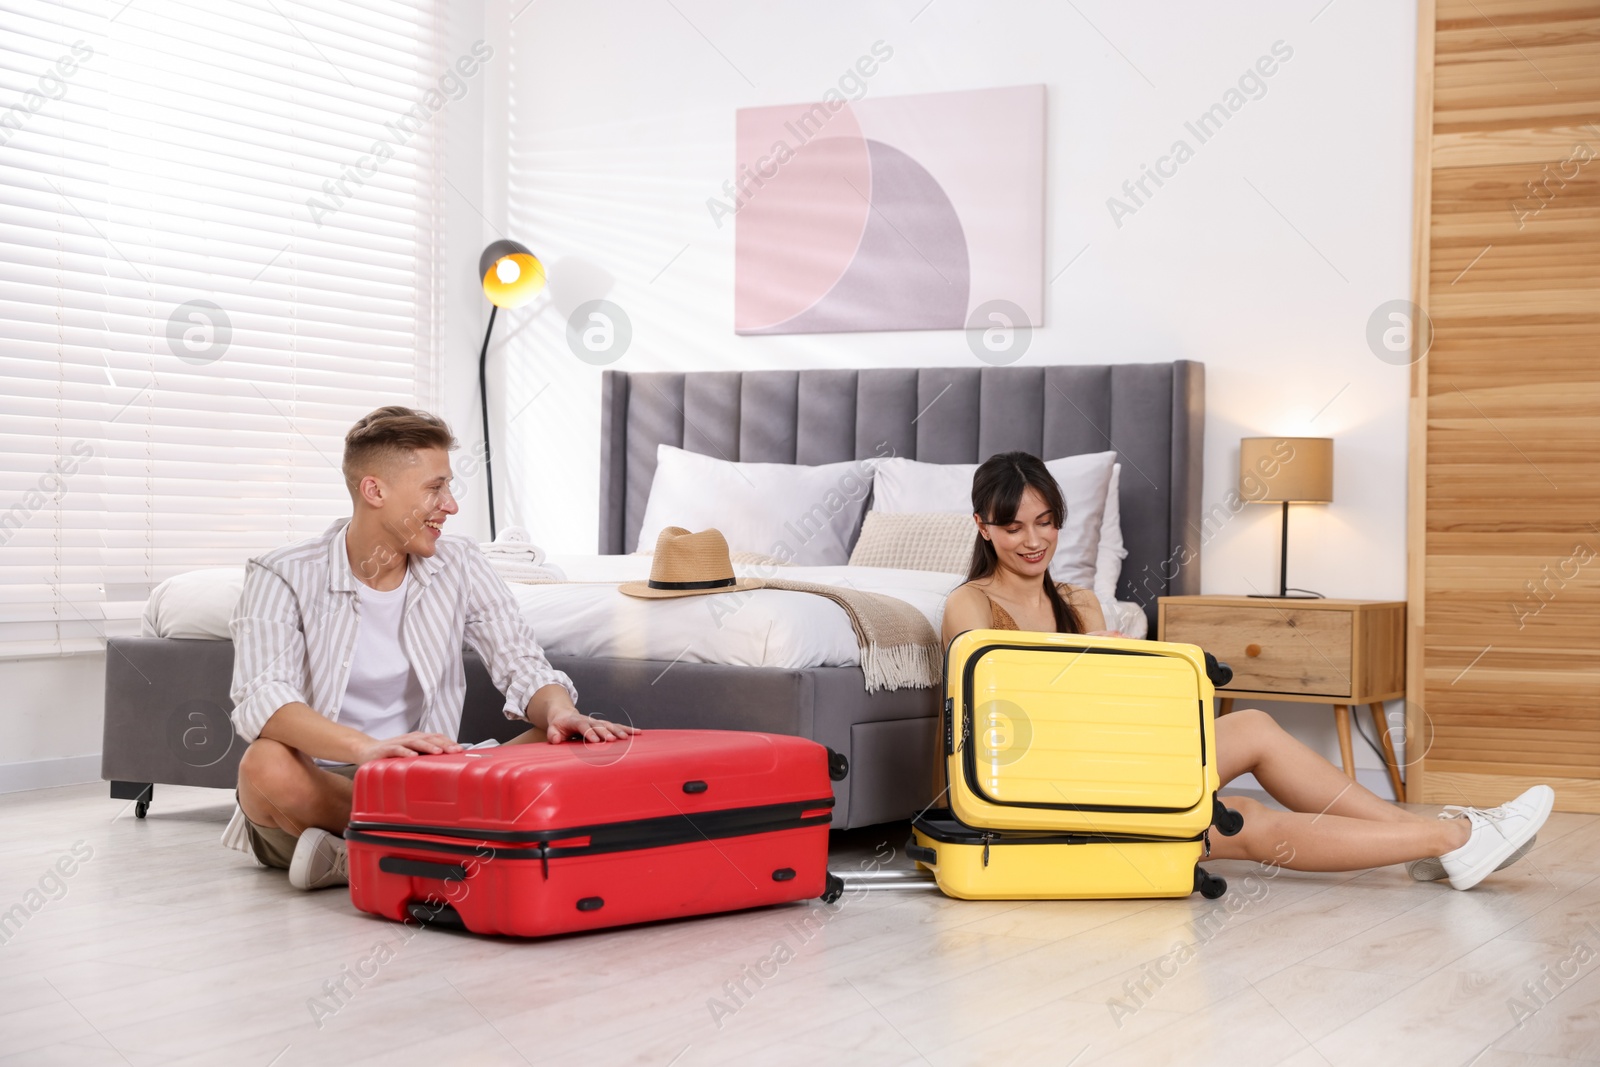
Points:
[(512, 276)]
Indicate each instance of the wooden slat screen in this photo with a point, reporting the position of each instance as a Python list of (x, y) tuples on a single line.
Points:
[(1504, 656)]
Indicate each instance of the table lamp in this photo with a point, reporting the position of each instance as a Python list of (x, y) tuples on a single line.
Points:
[(511, 277), (1286, 470)]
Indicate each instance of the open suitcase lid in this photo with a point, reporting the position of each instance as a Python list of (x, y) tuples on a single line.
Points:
[(1066, 721), (521, 792)]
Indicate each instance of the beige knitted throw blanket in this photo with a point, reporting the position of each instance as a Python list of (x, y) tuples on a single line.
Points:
[(899, 649)]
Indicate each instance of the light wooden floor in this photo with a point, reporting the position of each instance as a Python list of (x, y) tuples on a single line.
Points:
[(167, 949)]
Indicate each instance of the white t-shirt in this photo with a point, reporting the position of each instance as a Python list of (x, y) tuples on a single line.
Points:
[(383, 697)]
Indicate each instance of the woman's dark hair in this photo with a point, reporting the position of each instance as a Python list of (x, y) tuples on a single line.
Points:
[(997, 488)]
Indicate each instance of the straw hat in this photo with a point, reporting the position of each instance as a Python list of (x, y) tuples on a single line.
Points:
[(689, 564)]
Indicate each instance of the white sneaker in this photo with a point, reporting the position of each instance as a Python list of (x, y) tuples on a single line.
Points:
[(1496, 834), (319, 860), (1429, 869)]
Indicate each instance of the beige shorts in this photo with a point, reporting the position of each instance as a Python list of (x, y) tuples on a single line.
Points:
[(275, 847)]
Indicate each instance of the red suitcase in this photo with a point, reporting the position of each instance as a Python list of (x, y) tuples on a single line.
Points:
[(543, 839)]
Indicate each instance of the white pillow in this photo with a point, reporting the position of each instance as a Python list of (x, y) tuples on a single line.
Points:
[(1108, 560), (906, 485), (195, 605), (803, 515)]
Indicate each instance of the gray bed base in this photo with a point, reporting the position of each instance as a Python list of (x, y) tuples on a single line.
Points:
[(167, 717), (167, 699)]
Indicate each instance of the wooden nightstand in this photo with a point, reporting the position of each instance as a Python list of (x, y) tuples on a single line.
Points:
[(1339, 652)]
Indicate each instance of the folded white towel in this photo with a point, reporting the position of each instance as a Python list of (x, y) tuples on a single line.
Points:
[(531, 559), (513, 542), (520, 571), (514, 533)]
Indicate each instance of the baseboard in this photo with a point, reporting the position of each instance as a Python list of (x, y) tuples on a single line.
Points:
[(48, 773), (1374, 778), (1487, 790)]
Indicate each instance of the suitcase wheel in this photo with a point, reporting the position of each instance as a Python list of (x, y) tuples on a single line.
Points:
[(1227, 821), (1219, 673), (838, 766), (1209, 885), (833, 889)]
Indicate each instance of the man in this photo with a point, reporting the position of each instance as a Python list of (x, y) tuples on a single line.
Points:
[(347, 648)]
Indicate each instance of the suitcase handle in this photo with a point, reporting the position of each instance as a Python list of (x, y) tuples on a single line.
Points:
[(923, 855), (442, 915), (449, 872)]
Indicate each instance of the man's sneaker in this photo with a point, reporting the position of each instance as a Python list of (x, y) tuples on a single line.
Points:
[(319, 861), (1429, 869), (1496, 834)]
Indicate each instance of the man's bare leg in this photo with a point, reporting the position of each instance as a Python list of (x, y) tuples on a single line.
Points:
[(527, 737), (279, 786)]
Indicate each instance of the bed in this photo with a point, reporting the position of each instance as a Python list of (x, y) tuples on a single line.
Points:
[(167, 696)]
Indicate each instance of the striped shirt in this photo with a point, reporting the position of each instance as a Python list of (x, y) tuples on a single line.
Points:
[(294, 634)]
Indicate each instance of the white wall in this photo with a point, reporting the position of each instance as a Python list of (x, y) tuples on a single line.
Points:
[(1262, 258), (51, 724)]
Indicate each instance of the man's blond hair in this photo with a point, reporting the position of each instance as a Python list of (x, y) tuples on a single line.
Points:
[(386, 435)]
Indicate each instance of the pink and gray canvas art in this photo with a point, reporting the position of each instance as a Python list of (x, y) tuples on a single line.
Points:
[(894, 213)]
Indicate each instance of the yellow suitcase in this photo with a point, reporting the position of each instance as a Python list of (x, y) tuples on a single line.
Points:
[(1077, 767), (1061, 733)]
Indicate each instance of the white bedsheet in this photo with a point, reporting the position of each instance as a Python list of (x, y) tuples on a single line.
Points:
[(587, 616)]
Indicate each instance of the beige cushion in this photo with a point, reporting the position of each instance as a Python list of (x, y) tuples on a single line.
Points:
[(916, 541)]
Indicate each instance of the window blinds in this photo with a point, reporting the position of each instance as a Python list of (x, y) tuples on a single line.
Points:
[(217, 230)]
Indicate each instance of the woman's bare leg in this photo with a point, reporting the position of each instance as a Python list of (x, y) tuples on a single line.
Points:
[(1302, 841), (1251, 741)]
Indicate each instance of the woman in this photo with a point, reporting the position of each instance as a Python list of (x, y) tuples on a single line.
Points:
[(1334, 824)]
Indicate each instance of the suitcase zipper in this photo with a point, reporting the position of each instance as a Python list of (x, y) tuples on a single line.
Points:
[(987, 837), (607, 838), (940, 824), (722, 818)]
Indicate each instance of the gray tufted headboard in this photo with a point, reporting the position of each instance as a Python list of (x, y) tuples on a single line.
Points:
[(1151, 413)]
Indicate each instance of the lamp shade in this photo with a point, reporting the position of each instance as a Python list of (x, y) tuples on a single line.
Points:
[(1294, 470), (511, 275)]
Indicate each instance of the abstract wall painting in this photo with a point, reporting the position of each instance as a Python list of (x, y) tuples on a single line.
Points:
[(892, 213)]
